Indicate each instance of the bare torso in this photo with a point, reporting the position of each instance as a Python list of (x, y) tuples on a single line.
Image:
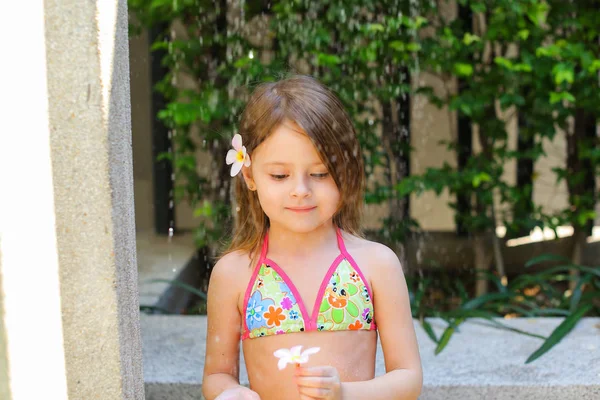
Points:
[(352, 353)]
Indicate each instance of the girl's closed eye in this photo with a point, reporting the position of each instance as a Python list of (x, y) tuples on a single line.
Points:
[(279, 177)]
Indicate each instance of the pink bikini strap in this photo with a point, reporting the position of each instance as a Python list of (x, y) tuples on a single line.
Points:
[(263, 253), (340, 241), (265, 245)]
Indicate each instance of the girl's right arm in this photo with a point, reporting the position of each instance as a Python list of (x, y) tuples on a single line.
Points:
[(221, 366)]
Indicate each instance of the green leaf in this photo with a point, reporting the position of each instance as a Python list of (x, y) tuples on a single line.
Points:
[(523, 34), (185, 286), (481, 177), (159, 45), (578, 291), (429, 330), (522, 67), (413, 46), (563, 72), (538, 12), (560, 96), (544, 258), (445, 338), (328, 59), (504, 62), (144, 308), (463, 69), (511, 329), (375, 28), (479, 301), (419, 21), (469, 38), (560, 332), (397, 45), (585, 216), (547, 274), (205, 211), (594, 66), (478, 7)]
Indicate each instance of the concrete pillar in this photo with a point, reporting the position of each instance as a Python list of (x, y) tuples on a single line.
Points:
[(69, 319)]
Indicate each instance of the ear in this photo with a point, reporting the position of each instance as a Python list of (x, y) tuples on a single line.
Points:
[(247, 173)]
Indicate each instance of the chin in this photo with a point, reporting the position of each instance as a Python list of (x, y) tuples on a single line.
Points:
[(302, 226)]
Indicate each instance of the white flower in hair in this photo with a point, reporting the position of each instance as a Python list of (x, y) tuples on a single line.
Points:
[(237, 156), (293, 355)]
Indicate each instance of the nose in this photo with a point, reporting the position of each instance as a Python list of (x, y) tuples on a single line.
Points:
[(301, 188)]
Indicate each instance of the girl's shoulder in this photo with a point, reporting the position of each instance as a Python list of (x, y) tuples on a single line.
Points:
[(372, 257), (235, 268)]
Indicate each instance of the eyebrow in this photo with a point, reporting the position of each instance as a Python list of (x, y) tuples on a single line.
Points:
[(284, 163)]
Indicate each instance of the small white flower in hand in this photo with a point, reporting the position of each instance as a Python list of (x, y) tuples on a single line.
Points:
[(237, 156), (293, 355)]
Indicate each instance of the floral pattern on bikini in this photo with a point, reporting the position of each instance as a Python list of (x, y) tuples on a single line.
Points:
[(272, 308), (344, 305)]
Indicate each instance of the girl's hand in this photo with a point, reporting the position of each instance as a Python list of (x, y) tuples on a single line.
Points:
[(319, 383), (238, 393)]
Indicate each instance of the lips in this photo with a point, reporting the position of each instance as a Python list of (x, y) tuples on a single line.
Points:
[(301, 209)]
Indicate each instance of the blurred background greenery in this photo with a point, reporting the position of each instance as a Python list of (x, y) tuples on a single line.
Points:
[(530, 63)]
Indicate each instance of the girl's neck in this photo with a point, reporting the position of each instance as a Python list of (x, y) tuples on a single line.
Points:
[(286, 243)]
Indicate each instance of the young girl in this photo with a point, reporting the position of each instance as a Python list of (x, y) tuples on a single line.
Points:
[(298, 271)]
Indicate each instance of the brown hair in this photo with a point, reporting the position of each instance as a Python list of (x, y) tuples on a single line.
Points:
[(321, 115)]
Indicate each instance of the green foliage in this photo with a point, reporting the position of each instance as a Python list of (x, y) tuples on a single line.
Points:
[(550, 79), (527, 295), (362, 50), (366, 52)]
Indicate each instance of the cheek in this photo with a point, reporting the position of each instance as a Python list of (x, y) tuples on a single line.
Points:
[(332, 194), (269, 195)]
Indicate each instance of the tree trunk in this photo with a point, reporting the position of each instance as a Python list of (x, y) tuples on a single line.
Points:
[(487, 148), (579, 238), (396, 141), (498, 252), (481, 263), (578, 188)]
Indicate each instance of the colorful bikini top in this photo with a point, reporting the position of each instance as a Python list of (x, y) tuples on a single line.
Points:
[(274, 306)]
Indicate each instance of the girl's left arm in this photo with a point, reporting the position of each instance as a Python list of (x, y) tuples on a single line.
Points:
[(404, 375)]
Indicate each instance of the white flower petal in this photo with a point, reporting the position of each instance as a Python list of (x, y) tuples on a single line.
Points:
[(231, 156), (282, 353), (236, 168), (282, 363), (312, 350), (237, 141), (247, 161), (294, 355), (295, 351), (302, 359)]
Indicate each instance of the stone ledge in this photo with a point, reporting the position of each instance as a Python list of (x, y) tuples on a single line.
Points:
[(480, 362)]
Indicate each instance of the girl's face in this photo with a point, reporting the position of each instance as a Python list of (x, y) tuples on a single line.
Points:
[(294, 188)]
